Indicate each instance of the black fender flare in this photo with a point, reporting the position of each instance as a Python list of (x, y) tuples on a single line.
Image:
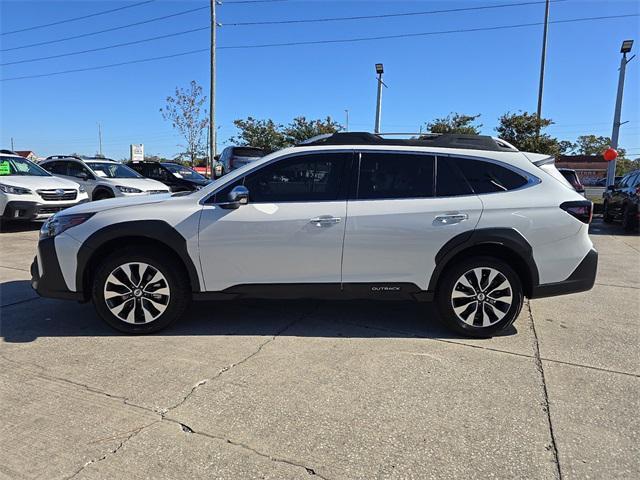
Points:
[(508, 238), (155, 230), (102, 188)]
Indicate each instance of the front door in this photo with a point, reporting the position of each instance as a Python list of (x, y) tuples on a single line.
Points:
[(397, 223), (290, 232)]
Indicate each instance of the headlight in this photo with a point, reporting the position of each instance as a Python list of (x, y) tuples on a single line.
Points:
[(128, 189), (14, 190), (82, 189), (59, 223)]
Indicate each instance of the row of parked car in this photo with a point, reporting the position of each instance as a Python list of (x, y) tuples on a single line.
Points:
[(30, 191)]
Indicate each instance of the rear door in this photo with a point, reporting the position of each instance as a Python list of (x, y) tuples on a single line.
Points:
[(406, 206)]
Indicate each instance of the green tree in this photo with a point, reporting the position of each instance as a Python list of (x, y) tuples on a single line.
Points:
[(455, 123), (263, 134), (520, 129), (301, 129), (270, 136), (185, 112), (595, 145)]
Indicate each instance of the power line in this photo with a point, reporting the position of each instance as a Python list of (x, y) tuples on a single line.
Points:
[(388, 15), (317, 42), (108, 47), (422, 34), (112, 29), (60, 22)]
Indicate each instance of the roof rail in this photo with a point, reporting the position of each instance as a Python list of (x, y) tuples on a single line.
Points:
[(445, 140), (9, 152), (51, 157)]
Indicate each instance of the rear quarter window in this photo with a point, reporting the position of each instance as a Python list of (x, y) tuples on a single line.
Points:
[(488, 177)]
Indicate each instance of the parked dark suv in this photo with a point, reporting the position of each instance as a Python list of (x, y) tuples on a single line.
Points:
[(621, 201), (177, 177)]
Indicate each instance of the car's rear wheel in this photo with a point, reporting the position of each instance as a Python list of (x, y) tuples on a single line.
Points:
[(140, 290), (606, 213), (479, 296)]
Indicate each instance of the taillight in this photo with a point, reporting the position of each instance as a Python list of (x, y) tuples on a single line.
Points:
[(581, 209)]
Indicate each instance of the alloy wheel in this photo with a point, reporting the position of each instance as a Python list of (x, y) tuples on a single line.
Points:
[(136, 292), (481, 297)]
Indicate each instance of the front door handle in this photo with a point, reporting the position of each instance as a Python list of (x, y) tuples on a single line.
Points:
[(324, 221), (450, 218)]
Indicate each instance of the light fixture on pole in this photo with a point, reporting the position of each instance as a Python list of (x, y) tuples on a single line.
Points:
[(615, 134), (379, 72)]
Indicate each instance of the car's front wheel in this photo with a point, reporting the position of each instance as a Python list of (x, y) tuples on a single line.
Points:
[(479, 296), (140, 290)]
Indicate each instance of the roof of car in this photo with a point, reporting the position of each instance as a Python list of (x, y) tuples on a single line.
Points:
[(458, 141)]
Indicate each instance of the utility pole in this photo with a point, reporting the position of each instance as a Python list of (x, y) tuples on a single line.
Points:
[(212, 91), (100, 138), (346, 111), (543, 59), (611, 168), (12, 149), (379, 71)]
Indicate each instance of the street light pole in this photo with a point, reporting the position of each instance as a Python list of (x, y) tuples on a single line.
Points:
[(346, 111), (615, 134), (543, 59), (379, 71), (212, 91)]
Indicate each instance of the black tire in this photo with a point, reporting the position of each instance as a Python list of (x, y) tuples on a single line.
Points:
[(102, 194), (175, 279), (497, 309), (606, 214), (629, 223)]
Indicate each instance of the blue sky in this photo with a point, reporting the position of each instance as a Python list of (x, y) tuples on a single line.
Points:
[(488, 72)]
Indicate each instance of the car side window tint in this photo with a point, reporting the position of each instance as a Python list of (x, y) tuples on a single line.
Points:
[(395, 175), (449, 179), (489, 177), (75, 169), (302, 178), (58, 168)]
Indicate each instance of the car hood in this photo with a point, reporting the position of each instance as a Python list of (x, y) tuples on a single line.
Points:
[(144, 184), (119, 202), (33, 182)]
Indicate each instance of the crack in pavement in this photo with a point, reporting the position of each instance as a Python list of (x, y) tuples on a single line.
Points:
[(187, 429), (481, 347), (15, 268), (111, 452), (20, 301), (240, 362), (617, 286), (545, 392)]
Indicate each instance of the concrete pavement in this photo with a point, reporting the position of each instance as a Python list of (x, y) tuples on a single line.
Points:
[(335, 390)]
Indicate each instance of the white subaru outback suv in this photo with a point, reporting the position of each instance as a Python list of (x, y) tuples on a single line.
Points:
[(103, 178), (27, 192), (467, 221)]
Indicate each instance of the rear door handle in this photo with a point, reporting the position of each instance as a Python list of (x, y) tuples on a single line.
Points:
[(450, 218), (324, 221)]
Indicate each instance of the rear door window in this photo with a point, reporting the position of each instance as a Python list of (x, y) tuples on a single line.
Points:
[(393, 175), (449, 179), (488, 177)]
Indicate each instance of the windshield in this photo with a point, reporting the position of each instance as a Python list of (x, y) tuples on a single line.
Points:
[(20, 166), (112, 170), (183, 172)]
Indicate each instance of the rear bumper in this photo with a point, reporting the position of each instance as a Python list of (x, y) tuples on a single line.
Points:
[(46, 276), (19, 210), (581, 280)]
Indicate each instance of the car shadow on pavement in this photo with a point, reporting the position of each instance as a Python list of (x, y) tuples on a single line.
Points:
[(17, 227), (598, 227), (25, 319)]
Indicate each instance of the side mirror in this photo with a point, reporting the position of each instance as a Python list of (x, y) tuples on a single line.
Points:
[(82, 176), (239, 195)]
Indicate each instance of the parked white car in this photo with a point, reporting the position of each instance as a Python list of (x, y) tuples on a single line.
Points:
[(27, 192), (103, 178), (467, 221)]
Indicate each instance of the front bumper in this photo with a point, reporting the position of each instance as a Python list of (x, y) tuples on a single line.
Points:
[(581, 280), (46, 276), (25, 210)]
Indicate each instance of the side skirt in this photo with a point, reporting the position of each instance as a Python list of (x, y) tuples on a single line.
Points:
[(325, 291)]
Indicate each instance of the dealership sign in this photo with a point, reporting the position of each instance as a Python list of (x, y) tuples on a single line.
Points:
[(137, 151)]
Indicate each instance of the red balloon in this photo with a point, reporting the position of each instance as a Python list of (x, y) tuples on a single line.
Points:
[(610, 154)]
